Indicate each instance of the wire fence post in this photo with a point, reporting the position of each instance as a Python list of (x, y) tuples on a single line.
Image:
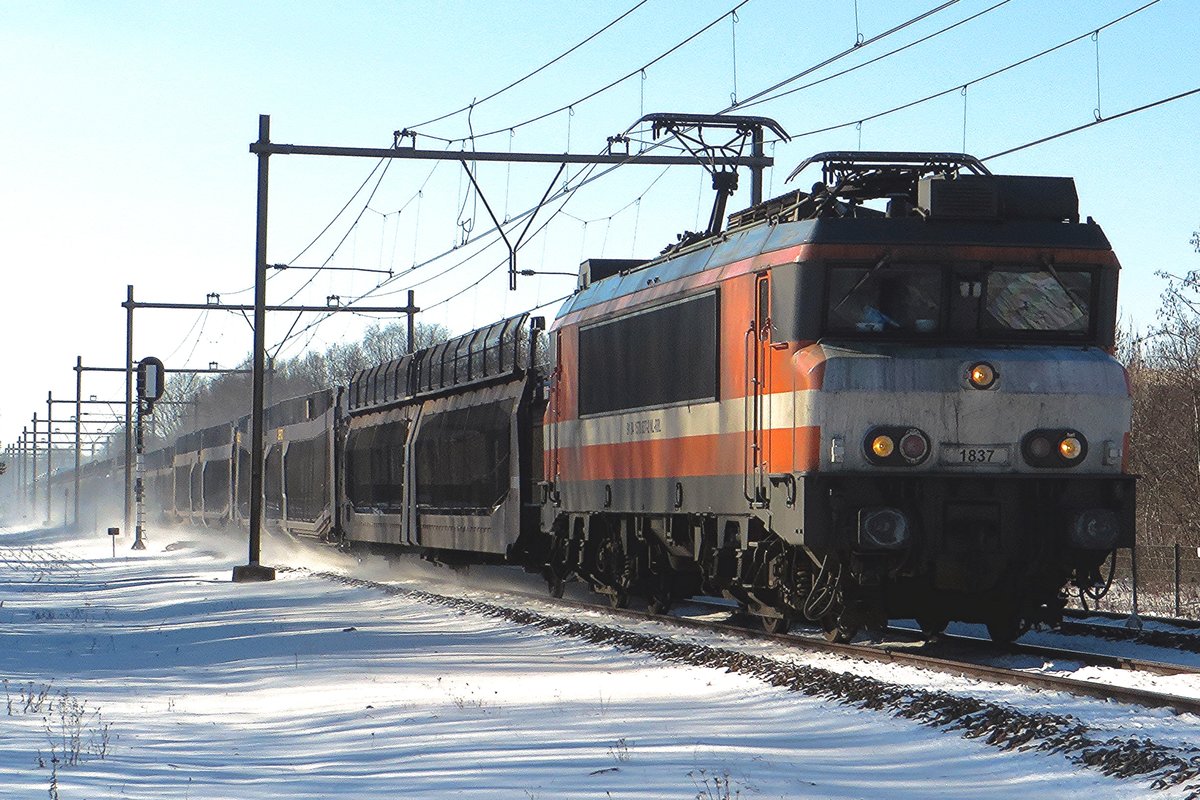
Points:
[(1178, 575), (1134, 620)]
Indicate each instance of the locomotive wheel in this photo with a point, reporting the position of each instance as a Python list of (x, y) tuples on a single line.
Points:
[(618, 598), (1003, 630), (556, 585), (932, 624), (780, 624), (837, 631), (658, 602)]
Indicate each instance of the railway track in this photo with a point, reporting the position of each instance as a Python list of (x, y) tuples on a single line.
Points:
[(1001, 724), (1186, 637), (987, 647), (956, 655), (967, 662), (1118, 616), (998, 724)]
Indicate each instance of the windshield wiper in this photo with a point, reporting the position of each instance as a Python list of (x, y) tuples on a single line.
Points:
[(883, 262), (1066, 289)]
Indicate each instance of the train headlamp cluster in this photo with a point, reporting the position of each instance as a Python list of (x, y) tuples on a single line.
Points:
[(883, 445), (896, 446), (1053, 448), (1094, 529), (982, 375), (882, 529)]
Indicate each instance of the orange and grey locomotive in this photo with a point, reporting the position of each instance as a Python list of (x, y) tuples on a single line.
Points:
[(845, 414)]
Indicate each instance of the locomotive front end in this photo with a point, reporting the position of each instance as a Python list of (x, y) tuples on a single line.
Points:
[(973, 423), (971, 482)]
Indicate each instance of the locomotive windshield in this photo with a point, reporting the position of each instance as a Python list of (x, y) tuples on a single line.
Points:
[(997, 301), (1041, 300)]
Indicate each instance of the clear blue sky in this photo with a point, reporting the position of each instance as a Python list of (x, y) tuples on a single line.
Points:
[(126, 130)]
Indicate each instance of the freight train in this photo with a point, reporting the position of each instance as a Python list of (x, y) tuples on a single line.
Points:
[(891, 396)]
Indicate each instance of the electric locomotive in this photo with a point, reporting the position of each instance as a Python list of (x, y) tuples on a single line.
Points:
[(848, 413)]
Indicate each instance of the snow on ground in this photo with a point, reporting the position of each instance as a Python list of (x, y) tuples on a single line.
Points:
[(160, 678)]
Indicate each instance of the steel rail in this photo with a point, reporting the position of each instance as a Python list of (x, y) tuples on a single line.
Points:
[(966, 669), (864, 652), (1088, 657), (1080, 616)]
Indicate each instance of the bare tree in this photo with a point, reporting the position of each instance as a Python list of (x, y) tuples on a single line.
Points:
[(427, 335), (1164, 370), (222, 398)]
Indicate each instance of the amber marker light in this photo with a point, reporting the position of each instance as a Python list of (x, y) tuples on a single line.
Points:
[(1070, 448), (982, 375), (882, 446)]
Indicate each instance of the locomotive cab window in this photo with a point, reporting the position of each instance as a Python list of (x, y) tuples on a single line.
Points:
[(885, 299), (964, 301), (1036, 300)]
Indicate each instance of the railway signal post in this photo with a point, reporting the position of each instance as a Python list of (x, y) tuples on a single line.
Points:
[(151, 381)]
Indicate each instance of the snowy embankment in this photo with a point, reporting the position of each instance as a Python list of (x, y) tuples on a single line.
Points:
[(151, 675)]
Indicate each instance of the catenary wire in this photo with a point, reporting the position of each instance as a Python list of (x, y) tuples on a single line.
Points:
[(1094, 123), (476, 103), (610, 85), (652, 146), (857, 46), (978, 79), (761, 98), (462, 291), (201, 315)]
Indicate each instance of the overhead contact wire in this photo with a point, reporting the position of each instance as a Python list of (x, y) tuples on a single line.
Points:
[(978, 79), (616, 82), (589, 178), (759, 98), (1094, 123), (858, 45), (655, 145), (527, 76)]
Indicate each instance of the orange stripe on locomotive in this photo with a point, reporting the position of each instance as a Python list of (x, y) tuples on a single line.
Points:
[(711, 455)]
